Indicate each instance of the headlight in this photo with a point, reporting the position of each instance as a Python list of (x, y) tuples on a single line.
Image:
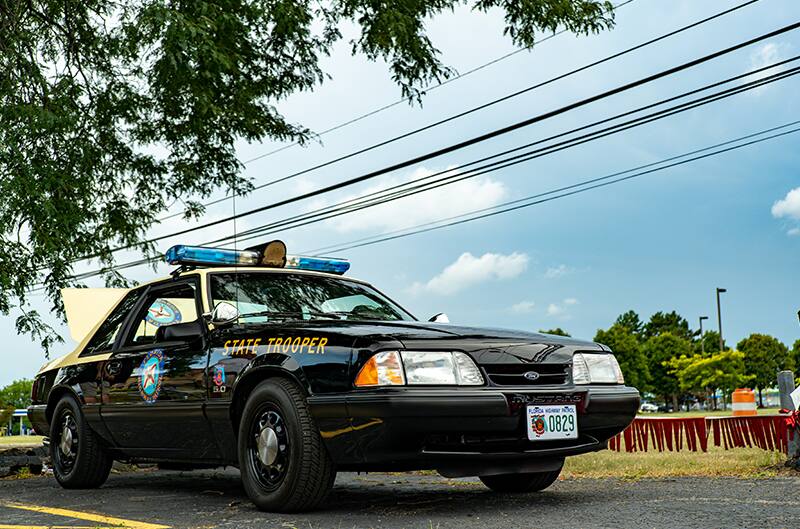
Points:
[(393, 368), (600, 368)]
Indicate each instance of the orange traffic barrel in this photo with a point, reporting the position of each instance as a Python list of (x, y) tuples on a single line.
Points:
[(744, 402)]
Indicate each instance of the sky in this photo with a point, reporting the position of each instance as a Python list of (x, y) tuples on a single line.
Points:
[(663, 241)]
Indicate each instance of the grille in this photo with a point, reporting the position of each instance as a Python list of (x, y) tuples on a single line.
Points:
[(513, 374)]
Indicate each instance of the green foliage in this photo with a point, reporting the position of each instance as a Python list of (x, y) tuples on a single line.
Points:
[(659, 351), (113, 111), (6, 413), (764, 356), (710, 342), (631, 321), (17, 394), (795, 355), (697, 374), (668, 322), (558, 331), (628, 351)]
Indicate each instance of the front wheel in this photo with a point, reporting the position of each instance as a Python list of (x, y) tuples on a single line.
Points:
[(527, 482), (79, 459), (284, 464)]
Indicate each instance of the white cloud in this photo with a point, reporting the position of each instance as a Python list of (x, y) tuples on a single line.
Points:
[(523, 307), (447, 201), (558, 271), (769, 53), (789, 206), (469, 270), (561, 310)]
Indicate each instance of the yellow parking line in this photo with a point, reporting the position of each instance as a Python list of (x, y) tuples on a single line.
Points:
[(2, 526), (107, 521)]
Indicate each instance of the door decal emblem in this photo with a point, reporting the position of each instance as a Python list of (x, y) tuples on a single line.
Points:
[(162, 312), (219, 379), (150, 372)]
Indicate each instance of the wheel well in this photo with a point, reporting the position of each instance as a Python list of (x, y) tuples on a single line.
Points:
[(245, 386), (52, 400)]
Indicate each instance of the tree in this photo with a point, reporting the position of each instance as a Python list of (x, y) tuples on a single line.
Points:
[(709, 343), (631, 321), (668, 322), (558, 331), (659, 351), (704, 375), (6, 414), (628, 351), (113, 111), (764, 356), (795, 355), (17, 394)]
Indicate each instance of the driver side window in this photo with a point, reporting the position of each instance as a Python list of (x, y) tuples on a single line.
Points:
[(164, 307)]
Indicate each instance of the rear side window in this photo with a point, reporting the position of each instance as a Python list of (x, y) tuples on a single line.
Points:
[(103, 339), (163, 307)]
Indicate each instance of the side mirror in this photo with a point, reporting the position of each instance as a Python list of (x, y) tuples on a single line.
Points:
[(223, 314), (440, 318)]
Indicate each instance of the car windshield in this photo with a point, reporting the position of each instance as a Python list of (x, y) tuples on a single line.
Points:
[(264, 297)]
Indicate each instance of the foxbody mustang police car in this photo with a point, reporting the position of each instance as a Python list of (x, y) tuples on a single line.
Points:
[(289, 371)]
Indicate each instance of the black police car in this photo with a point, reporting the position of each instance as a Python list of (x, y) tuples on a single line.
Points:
[(282, 367)]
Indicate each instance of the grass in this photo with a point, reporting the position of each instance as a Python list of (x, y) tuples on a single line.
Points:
[(708, 413), (739, 462), (22, 441)]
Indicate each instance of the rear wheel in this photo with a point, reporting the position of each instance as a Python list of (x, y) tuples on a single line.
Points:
[(527, 482), (79, 459), (284, 464)]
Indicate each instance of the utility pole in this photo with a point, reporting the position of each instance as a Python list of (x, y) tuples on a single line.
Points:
[(719, 318), (702, 342)]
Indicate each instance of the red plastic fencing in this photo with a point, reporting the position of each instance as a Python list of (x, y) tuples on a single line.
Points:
[(768, 432)]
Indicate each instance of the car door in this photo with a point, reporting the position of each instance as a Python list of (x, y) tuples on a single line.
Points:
[(153, 403)]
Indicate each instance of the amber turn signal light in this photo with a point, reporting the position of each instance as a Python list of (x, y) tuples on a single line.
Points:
[(383, 369)]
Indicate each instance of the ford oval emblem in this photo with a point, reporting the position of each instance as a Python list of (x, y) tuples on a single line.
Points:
[(531, 375)]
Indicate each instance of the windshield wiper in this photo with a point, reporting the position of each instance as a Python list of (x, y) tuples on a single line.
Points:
[(295, 315)]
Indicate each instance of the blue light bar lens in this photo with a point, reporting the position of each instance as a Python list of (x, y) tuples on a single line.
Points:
[(199, 255), (317, 264)]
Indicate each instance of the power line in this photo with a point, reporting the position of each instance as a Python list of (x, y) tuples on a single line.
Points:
[(566, 194), (480, 107), (528, 156), (474, 140), (414, 187)]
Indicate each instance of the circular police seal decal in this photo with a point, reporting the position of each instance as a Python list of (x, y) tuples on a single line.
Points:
[(150, 372), (162, 312)]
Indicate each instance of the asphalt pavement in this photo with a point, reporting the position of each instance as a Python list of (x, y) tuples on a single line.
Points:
[(215, 499)]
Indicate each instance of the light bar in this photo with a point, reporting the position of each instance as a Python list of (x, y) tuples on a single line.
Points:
[(270, 255), (199, 255), (317, 264)]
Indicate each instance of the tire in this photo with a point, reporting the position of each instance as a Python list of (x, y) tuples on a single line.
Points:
[(520, 483), (284, 464), (80, 461)]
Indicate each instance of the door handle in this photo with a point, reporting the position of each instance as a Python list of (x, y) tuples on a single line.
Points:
[(113, 367)]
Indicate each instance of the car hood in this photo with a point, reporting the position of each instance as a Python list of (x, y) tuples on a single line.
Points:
[(488, 345)]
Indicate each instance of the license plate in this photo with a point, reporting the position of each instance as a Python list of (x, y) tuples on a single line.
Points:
[(548, 422)]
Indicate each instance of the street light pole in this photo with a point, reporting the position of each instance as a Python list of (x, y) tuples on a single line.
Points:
[(702, 342), (719, 318)]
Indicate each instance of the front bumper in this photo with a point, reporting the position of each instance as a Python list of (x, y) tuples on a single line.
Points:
[(463, 431)]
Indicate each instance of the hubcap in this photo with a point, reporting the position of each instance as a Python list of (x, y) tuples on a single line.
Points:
[(67, 443), (269, 449), (267, 446)]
